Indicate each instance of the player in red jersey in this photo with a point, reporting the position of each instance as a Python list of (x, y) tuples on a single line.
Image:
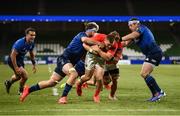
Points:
[(94, 64), (111, 69)]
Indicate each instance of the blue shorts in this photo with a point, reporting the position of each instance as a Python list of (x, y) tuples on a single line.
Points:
[(61, 61), (154, 59), (20, 63), (80, 68)]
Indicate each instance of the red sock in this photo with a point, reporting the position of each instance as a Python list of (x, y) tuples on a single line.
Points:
[(97, 92)]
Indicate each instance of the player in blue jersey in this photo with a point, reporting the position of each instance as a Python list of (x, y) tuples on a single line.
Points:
[(16, 59), (144, 39), (66, 62)]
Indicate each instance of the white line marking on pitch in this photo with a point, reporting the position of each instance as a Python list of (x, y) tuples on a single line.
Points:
[(104, 110)]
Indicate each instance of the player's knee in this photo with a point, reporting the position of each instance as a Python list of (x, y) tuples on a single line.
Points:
[(106, 81), (52, 83), (73, 71), (24, 77), (143, 74)]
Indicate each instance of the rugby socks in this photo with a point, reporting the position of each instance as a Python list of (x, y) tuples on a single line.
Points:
[(11, 81), (34, 88), (97, 92), (66, 90), (153, 86), (156, 86)]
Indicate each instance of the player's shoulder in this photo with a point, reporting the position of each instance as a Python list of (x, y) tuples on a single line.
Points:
[(100, 35), (80, 35), (144, 27), (20, 41)]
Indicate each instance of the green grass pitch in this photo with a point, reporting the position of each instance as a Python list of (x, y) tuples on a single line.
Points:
[(132, 93)]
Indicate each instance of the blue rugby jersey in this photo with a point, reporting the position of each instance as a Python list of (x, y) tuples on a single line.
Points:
[(146, 41), (75, 49), (22, 47)]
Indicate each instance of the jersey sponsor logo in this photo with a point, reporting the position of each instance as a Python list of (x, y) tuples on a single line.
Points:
[(147, 59), (154, 61)]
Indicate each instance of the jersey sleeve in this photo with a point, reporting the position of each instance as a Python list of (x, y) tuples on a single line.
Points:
[(17, 46), (140, 29)]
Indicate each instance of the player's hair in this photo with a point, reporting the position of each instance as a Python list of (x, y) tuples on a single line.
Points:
[(91, 25), (134, 19), (114, 35), (29, 29)]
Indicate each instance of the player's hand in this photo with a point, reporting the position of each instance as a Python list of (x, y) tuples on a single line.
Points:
[(95, 48), (34, 69), (101, 45)]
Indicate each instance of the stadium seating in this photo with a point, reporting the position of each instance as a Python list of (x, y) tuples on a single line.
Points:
[(48, 49), (133, 52)]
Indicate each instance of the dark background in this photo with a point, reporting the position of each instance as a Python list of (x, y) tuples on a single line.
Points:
[(63, 32)]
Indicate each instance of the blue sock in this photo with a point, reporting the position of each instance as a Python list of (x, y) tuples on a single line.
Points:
[(153, 86), (34, 88), (66, 90)]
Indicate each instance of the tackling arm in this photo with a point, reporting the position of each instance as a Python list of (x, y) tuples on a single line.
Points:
[(88, 48), (89, 41), (131, 36), (107, 56), (127, 43)]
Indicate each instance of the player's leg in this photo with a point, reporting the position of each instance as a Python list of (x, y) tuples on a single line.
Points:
[(57, 76), (114, 86), (92, 81), (13, 78), (114, 75), (89, 68), (99, 72), (9, 82), (54, 79), (24, 77), (107, 80), (87, 76), (72, 74), (146, 70)]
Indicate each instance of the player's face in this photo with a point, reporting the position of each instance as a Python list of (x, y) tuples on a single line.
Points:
[(133, 27), (31, 36), (92, 33), (107, 44)]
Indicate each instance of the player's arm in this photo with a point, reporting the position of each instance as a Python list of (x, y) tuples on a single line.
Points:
[(127, 43), (13, 55), (105, 55), (118, 57), (131, 36), (90, 41), (88, 48), (32, 57)]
